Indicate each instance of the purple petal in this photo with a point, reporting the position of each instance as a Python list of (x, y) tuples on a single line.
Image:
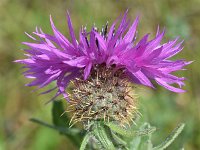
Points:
[(77, 62), (48, 91), (101, 41), (61, 39), (87, 70), (167, 86), (71, 30), (142, 78), (131, 33)]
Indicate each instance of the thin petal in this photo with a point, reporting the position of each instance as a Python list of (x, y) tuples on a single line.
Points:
[(169, 87), (101, 41), (142, 78), (131, 33), (87, 70), (77, 62), (71, 30)]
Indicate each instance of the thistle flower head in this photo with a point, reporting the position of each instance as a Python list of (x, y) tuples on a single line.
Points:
[(102, 64)]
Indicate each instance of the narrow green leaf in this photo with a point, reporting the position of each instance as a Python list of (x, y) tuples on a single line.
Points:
[(170, 138), (60, 129), (119, 141), (100, 134), (149, 142), (120, 130), (74, 135), (85, 141), (57, 111), (135, 143), (61, 120), (145, 132), (143, 138), (129, 133)]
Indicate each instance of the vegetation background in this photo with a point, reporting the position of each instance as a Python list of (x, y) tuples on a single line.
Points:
[(160, 107)]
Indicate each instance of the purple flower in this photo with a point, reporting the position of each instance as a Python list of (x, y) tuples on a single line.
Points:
[(54, 58)]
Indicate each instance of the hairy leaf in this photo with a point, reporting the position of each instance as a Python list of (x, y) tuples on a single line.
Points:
[(170, 138), (85, 141), (101, 135)]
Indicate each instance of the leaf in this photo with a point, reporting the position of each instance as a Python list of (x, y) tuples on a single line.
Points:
[(85, 141), (60, 129), (100, 134), (119, 141), (129, 133), (73, 134), (120, 130), (143, 138), (170, 138), (61, 120), (146, 142), (145, 132), (134, 143), (58, 118)]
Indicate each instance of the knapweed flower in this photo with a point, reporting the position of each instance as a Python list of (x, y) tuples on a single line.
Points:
[(102, 64)]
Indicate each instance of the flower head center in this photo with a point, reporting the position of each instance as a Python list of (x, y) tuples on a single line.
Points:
[(106, 95)]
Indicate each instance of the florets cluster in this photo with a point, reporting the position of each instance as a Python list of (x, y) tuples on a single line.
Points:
[(106, 95)]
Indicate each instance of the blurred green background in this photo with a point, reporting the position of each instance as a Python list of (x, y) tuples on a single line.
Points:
[(160, 107)]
